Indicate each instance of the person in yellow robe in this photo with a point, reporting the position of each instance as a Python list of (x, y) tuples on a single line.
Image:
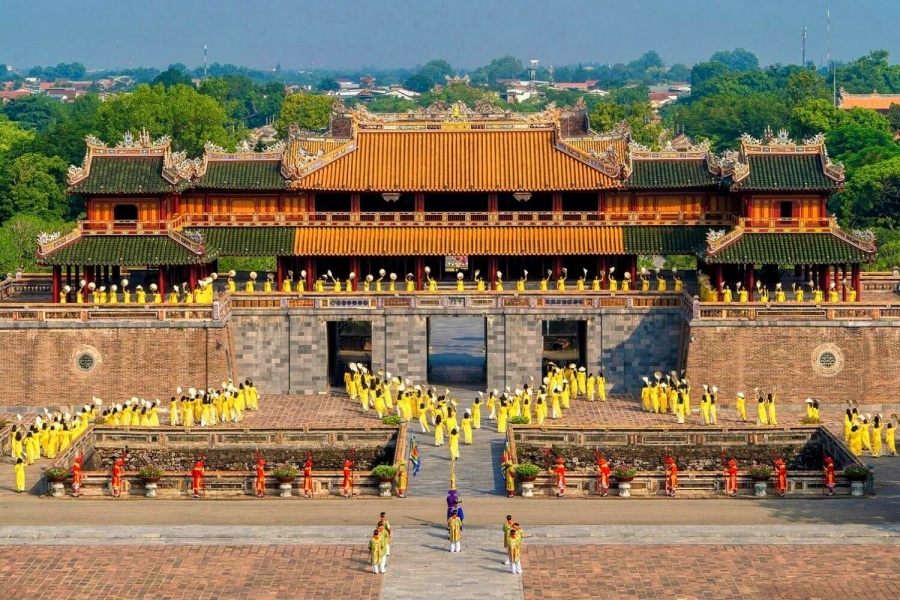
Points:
[(544, 282), (454, 443), (540, 408), (889, 438), (467, 427), (410, 283), (514, 552), (460, 282), (438, 430), (476, 413), (561, 281), (502, 416), (779, 293), (833, 294), (375, 555), (855, 441), (601, 387), (741, 405), (660, 281), (581, 378), (173, 295), (626, 282), (454, 530), (250, 285), (20, 475), (520, 284), (646, 402), (762, 413), (865, 434), (877, 427), (645, 279)]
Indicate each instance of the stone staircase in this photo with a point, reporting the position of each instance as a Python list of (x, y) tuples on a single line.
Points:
[(477, 469)]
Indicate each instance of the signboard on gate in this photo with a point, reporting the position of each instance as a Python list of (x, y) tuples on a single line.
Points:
[(456, 263)]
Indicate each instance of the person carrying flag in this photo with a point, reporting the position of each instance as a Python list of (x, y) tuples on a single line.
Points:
[(414, 455)]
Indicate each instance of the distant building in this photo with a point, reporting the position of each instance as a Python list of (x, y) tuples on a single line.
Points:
[(346, 84), (874, 101)]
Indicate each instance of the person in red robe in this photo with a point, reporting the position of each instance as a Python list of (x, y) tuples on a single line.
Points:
[(731, 483), (780, 477), (116, 480), (829, 475), (197, 478), (671, 477), (76, 477), (347, 485), (603, 473), (307, 479), (559, 471), (260, 477)]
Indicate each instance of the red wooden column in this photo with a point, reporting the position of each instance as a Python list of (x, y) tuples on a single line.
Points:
[(192, 277), (633, 269), (557, 206), (751, 280), (69, 275), (279, 272), (161, 281), (419, 273), (557, 267), (310, 274), (310, 206), (825, 284), (493, 206), (354, 204), (857, 282), (491, 275), (419, 205), (355, 265), (57, 282)]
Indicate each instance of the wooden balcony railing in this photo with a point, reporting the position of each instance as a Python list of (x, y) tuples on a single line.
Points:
[(399, 218), (781, 224)]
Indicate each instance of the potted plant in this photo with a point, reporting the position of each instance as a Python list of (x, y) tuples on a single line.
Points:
[(391, 420), (527, 471), (759, 472), (853, 473), (624, 473), (150, 474), (384, 473), (284, 473), (810, 421), (57, 474), (520, 420)]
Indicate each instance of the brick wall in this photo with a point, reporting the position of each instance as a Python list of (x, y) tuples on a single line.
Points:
[(784, 357), (39, 364)]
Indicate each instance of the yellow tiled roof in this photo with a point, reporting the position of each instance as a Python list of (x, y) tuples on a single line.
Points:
[(445, 241), (456, 161)]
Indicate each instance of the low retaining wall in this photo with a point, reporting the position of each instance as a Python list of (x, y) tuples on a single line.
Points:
[(647, 446), (101, 445)]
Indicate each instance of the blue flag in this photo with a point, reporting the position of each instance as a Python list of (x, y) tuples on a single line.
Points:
[(414, 454)]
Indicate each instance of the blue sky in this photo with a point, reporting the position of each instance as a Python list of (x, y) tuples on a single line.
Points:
[(403, 33)]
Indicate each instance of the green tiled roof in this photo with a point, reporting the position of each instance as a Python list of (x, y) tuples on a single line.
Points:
[(129, 250), (787, 172), (124, 175), (663, 239), (679, 173), (249, 241), (242, 175), (788, 249)]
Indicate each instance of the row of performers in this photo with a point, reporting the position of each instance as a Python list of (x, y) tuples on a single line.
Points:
[(329, 283), (605, 473), (862, 432)]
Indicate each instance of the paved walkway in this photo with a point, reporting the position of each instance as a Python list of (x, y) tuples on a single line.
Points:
[(793, 561)]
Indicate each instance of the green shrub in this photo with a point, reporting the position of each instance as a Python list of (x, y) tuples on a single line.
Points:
[(281, 471), (623, 471), (759, 471), (520, 420), (57, 473), (149, 472), (391, 420), (527, 470), (856, 472), (384, 472)]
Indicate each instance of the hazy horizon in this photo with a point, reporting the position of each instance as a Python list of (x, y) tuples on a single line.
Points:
[(343, 34)]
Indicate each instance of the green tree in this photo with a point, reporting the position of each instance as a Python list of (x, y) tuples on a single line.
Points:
[(722, 118), (461, 93), (37, 113), (738, 59), (328, 84), (18, 241), (34, 184), (703, 72), (806, 85), (308, 111), (893, 117), (172, 77), (858, 145), (182, 112), (871, 197), (389, 104), (505, 67), (679, 72), (11, 135)]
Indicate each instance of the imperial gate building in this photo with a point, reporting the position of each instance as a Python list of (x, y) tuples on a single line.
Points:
[(439, 192)]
